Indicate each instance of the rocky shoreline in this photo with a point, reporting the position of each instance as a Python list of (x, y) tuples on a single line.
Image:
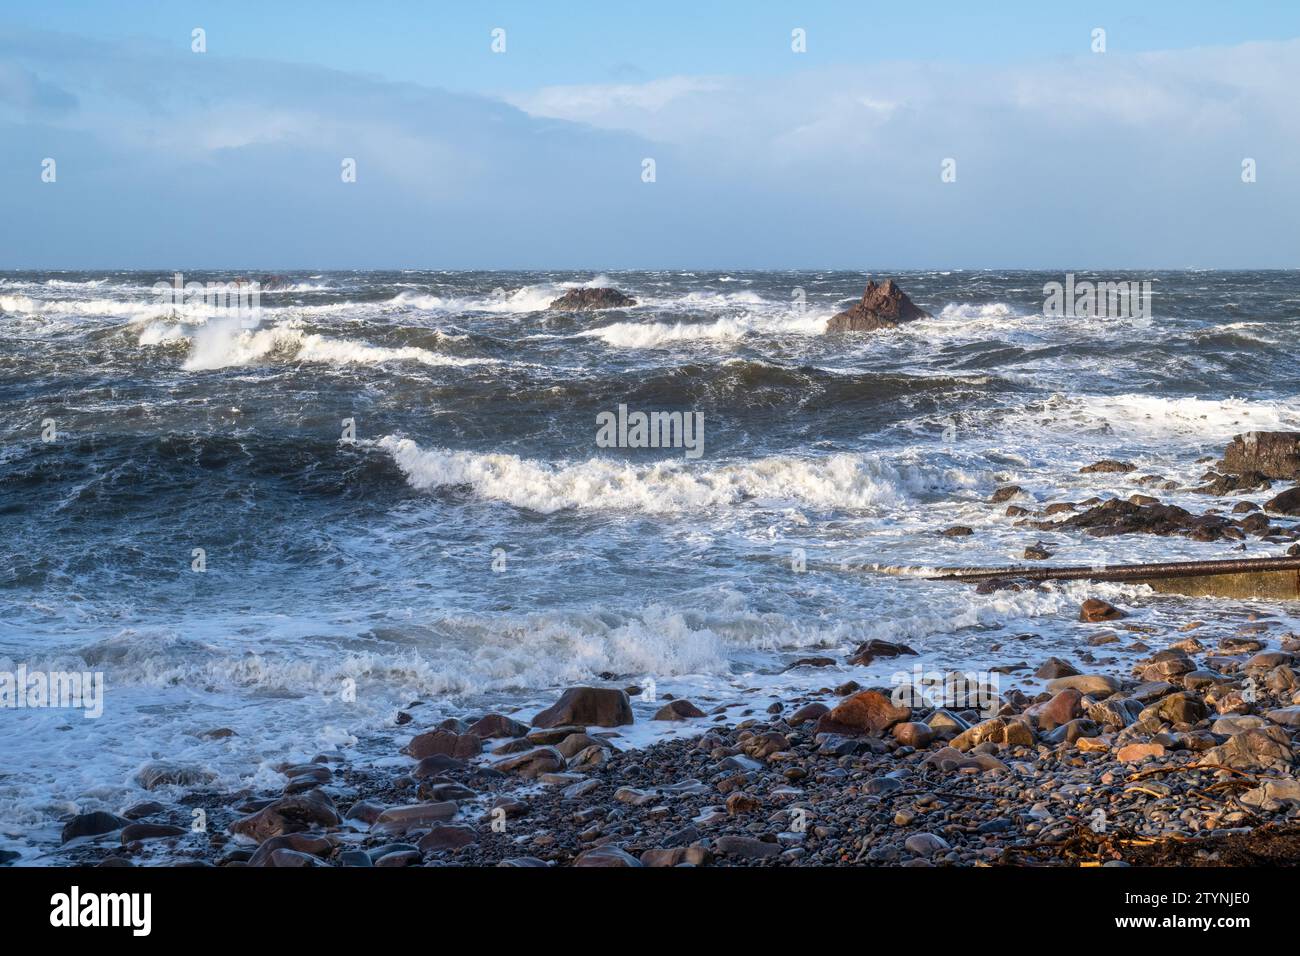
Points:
[(1195, 746), (1139, 745)]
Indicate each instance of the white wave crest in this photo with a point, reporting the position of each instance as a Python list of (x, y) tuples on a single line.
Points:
[(529, 298), (223, 344), (848, 481), (653, 335)]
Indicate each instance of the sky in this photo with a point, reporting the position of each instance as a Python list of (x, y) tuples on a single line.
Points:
[(938, 135)]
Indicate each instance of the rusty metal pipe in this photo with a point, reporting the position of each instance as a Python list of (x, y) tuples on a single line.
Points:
[(1121, 572)]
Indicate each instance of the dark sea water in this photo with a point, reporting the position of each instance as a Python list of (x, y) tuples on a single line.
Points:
[(474, 547)]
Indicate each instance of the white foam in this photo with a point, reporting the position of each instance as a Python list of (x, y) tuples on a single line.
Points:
[(844, 481), (226, 343), (1135, 416), (651, 335), (529, 298)]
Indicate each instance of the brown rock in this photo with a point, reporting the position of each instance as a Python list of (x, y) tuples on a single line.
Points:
[(445, 742), (866, 712), (872, 649), (534, 763), (1006, 493), (588, 706), (606, 855), (1287, 503), (806, 713), (1095, 610), (1107, 466), (419, 816), (288, 815), (676, 856), (447, 836), (741, 802), (1273, 454), (882, 307), (1060, 710), (497, 725), (298, 842), (92, 824), (1135, 753), (913, 734), (678, 710)]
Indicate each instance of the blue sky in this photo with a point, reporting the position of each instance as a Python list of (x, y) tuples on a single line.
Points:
[(1065, 158)]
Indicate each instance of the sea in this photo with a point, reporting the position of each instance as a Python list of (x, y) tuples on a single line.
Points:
[(384, 492)]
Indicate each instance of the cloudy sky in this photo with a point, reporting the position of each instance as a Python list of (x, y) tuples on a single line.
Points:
[(764, 157)]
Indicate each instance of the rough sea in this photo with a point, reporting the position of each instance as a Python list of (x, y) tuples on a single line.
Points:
[(185, 508)]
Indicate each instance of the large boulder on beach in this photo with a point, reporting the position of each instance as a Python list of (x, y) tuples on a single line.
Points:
[(446, 742), (883, 306), (288, 815), (866, 712), (1272, 454), (587, 707), (586, 300)]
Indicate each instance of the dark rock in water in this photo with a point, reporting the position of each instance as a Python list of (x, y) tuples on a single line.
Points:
[(1221, 485), (92, 824), (1108, 466), (1273, 454), (288, 815), (138, 811), (588, 706), (1287, 503), (678, 710), (1118, 516), (1006, 493), (868, 652), (163, 774), (1094, 610), (812, 662), (957, 531), (1054, 667), (882, 307), (1036, 552), (497, 725), (587, 299)]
